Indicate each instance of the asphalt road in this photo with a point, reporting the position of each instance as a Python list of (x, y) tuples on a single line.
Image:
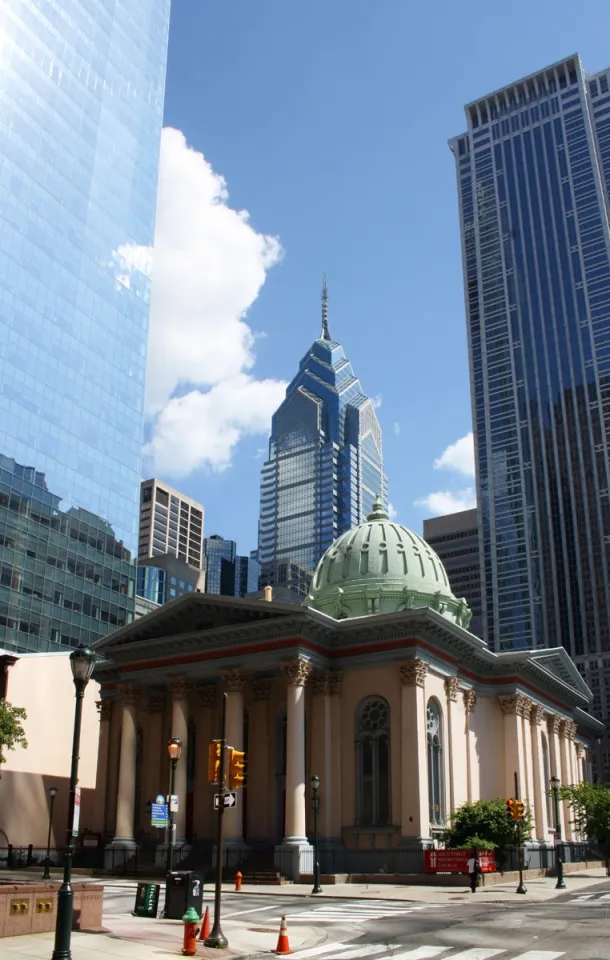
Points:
[(571, 927)]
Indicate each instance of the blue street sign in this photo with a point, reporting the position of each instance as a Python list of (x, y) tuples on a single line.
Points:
[(158, 814)]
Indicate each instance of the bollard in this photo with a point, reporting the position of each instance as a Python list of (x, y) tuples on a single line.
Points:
[(189, 943), (238, 880)]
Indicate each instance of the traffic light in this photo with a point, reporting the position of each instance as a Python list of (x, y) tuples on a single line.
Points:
[(520, 810), (511, 809), (214, 751), (237, 768)]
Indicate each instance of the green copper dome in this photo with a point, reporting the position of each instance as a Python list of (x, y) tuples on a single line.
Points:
[(381, 567)]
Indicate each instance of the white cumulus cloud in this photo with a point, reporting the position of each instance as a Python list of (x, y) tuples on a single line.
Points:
[(396, 428), (458, 456), (392, 511), (208, 267), (446, 501)]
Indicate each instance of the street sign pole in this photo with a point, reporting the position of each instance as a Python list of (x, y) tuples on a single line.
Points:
[(217, 938), (521, 888)]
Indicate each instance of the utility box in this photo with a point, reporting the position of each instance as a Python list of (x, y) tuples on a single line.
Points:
[(183, 889), (147, 900)]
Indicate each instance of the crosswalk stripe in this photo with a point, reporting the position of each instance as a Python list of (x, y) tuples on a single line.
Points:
[(316, 951), (584, 896), (364, 950), (420, 953), (540, 955), (605, 896), (477, 953)]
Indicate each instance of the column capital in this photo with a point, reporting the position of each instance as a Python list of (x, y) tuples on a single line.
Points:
[(567, 729), (516, 705), (104, 710), (296, 671), (156, 701), (413, 673), (234, 680), (261, 687), (470, 699), (207, 694), (130, 693), (180, 687), (335, 682), (536, 714), (580, 751), (452, 685), (552, 722), (320, 682)]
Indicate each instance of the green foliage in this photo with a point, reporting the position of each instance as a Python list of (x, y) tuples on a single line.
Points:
[(477, 843), (12, 733), (486, 822), (590, 805)]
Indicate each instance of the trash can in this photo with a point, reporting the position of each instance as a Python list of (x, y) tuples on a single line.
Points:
[(147, 900), (183, 889)]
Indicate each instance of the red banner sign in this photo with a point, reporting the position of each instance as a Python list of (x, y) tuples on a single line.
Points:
[(456, 861)]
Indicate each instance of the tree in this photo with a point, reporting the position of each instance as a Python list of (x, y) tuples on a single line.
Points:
[(486, 824), (590, 806), (12, 733)]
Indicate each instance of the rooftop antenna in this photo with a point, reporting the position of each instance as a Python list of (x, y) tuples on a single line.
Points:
[(325, 333)]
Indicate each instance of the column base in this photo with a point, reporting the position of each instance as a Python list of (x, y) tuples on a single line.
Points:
[(294, 857), (120, 853)]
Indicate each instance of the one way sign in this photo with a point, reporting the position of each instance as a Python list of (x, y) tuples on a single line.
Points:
[(225, 800)]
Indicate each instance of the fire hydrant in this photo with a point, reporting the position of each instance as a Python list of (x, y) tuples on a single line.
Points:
[(191, 932), (238, 880)]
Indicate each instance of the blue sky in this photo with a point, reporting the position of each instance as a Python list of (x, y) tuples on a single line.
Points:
[(328, 121)]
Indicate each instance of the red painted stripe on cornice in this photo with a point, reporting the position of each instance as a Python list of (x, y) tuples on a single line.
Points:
[(511, 679)]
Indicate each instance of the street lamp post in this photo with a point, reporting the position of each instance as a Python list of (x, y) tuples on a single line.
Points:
[(174, 748), (560, 885), (47, 860), (315, 788), (82, 662)]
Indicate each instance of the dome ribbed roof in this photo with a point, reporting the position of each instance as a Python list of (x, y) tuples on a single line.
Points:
[(381, 567)]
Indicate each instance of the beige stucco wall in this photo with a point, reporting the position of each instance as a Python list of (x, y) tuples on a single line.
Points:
[(42, 683), (487, 724)]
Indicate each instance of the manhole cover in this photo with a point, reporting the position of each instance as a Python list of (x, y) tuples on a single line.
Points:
[(262, 930)]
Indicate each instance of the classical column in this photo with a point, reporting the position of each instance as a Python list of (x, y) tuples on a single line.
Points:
[(321, 748), (451, 693), (470, 699), (527, 787), (540, 787), (566, 773), (258, 760), (296, 673), (235, 681), (126, 794), (573, 761), (180, 688), (513, 708), (553, 722), (104, 709), (336, 775), (415, 813), (155, 781), (580, 753), (203, 793)]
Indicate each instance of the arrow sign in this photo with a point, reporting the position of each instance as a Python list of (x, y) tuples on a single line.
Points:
[(225, 800)]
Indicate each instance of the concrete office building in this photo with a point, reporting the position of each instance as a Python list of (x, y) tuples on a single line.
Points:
[(455, 538), (533, 173), (170, 523)]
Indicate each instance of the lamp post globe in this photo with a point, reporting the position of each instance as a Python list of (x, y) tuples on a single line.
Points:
[(315, 798), (82, 663), (555, 784)]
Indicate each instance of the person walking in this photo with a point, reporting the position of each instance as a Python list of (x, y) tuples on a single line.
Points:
[(474, 869)]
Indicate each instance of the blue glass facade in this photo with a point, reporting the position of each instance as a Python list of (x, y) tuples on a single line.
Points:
[(151, 583), (81, 95), (325, 464), (534, 189), (220, 565)]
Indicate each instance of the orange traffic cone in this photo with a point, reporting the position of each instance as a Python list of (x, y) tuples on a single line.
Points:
[(205, 926), (283, 947)]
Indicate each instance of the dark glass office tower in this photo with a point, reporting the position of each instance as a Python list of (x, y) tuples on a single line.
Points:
[(325, 464), (533, 174), (81, 92)]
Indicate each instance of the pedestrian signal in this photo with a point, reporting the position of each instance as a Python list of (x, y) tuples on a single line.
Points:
[(237, 768), (214, 751)]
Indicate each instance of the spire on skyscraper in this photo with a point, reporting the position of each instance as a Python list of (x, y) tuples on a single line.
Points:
[(325, 333)]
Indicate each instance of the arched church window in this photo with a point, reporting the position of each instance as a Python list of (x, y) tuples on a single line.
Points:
[(546, 770), (373, 762), (436, 792)]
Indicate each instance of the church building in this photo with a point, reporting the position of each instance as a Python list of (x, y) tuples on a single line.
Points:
[(375, 685)]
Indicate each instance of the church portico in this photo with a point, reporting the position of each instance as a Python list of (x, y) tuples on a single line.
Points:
[(402, 714)]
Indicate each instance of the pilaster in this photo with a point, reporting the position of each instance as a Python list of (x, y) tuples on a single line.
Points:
[(415, 814), (180, 688), (258, 760), (451, 685), (130, 694), (513, 708), (235, 681), (296, 673), (470, 699), (203, 799), (104, 710), (321, 747), (540, 787)]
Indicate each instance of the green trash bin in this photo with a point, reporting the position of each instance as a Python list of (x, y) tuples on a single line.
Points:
[(147, 900)]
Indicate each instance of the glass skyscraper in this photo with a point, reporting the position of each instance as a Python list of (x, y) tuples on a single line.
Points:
[(81, 107), (533, 174), (325, 464)]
